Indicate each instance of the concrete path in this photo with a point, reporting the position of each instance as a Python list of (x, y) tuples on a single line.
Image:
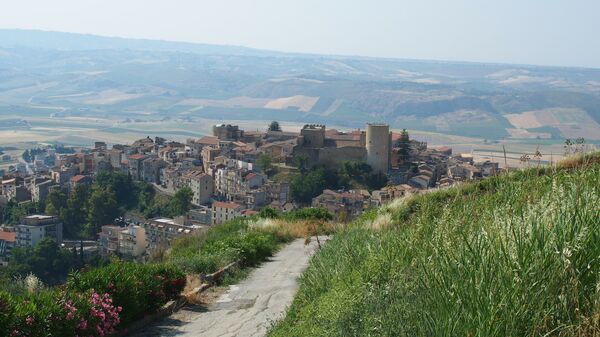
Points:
[(248, 308)]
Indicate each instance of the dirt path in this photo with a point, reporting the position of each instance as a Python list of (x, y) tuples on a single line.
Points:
[(245, 309)]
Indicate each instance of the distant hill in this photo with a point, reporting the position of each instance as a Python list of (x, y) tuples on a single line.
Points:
[(86, 75), (77, 42)]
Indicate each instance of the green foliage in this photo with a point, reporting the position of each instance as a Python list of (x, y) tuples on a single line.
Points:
[(223, 244), (139, 289), (102, 209), (514, 255), (311, 183), (306, 186), (124, 189), (274, 126), (177, 205), (74, 214), (361, 175), (92, 303), (13, 211), (269, 213), (55, 201), (312, 213), (265, 162), (46, 260)]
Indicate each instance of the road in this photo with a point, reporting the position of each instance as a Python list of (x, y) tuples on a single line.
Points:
[(248, 308)]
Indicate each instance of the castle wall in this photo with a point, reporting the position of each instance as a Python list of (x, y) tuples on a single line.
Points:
[(378, 147)]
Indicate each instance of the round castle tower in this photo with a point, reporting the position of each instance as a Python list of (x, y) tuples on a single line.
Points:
[(378, 146)]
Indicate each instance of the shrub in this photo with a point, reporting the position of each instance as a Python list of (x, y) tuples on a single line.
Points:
[(58, 313), (312, 213), (138, 289), (223, 244)]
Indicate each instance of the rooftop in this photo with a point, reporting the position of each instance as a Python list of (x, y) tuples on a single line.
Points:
[(230, 205), (8, 236), (78, 178), (165, 221), (39, 217)]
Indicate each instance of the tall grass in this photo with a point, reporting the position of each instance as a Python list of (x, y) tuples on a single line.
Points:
[(223, 244), (516, 255)]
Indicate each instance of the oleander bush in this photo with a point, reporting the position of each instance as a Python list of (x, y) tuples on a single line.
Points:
[(94, 303), (138, 289)]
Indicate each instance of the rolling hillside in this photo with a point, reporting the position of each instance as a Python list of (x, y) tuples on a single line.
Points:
[(64, 75), (515, 255)]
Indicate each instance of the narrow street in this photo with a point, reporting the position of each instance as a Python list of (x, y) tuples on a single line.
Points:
[(248, 308)]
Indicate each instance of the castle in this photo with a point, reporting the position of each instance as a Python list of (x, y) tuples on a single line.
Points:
[(318, 146)]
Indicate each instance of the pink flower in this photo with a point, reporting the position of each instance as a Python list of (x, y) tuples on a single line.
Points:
[(29, 320)]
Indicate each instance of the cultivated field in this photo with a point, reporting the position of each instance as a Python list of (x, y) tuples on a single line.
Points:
[(572, 123)]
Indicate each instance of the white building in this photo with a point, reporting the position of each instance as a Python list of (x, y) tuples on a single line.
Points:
[(34, 228), (132, 242)]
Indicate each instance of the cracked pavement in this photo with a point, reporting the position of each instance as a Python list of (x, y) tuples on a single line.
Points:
[(248, 308)]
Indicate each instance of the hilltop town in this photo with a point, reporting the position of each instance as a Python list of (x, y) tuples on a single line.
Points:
[(232, 173)]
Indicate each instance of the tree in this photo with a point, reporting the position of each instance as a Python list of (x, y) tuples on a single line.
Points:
[(102, 209), (274, 126), (26, 156), (145, 196), (122, 185), (269, 213), (304, 187), (301, 162), (74, 215), (181, 202), (265, 162), (46, 260), (14, 211), (56, 201)]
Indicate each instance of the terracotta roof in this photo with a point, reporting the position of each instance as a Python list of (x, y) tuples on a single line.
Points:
[(231, 205), (208, 140), (78, 178), (250, 175), (8, 236), (137, 156)]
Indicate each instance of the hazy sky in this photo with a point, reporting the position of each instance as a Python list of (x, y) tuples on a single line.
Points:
[(548, 32)]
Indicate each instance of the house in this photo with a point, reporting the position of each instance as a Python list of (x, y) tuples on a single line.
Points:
[(40, 190), (132, 242), (160, 232), (342, 204), (463, 171), (200, 216), (225, 211), (151, 168), (108, 240), (134, 162), (202, 185), (422, 181), (34, 228), (8, 240), (80, 180), (381, 197)]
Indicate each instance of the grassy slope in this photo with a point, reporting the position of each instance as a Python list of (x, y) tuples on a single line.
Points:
[(515, 255)]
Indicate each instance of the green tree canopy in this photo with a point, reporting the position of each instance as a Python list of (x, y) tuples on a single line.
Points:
[(274, 126), (102, 208)]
